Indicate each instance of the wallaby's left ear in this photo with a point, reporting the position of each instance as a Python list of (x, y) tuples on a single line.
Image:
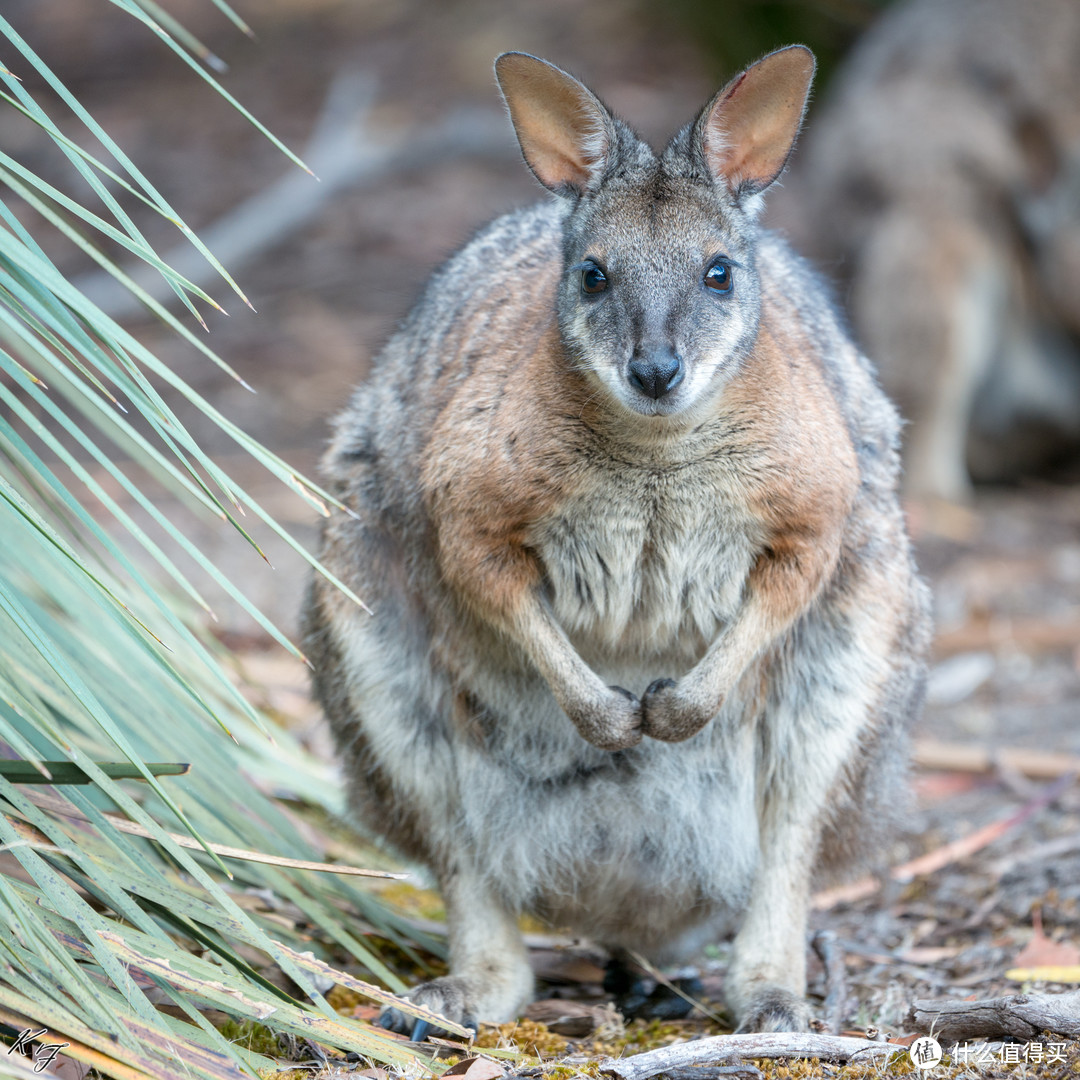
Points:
[(747, 131)]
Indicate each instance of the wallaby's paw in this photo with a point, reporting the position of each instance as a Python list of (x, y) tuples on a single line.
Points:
[(449, 996), (612, 722), (669, 716), (773, 1008)]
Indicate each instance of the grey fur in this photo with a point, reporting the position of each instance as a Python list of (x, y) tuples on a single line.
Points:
[(455, 744)]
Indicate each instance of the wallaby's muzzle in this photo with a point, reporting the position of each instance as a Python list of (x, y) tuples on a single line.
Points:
[(656, 373)]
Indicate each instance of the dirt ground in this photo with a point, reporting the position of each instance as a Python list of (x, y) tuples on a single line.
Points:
[(1005, 572)]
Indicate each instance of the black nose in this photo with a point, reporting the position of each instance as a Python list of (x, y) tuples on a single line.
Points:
[(656, 374)]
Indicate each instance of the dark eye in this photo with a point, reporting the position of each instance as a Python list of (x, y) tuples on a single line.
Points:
[(593, 279), (718, 278)]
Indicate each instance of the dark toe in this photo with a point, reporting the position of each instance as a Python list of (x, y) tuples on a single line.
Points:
[(394, 1020), (419, 1031), (657, 685)]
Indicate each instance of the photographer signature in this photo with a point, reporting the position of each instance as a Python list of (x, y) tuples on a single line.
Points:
[(45, 1052)]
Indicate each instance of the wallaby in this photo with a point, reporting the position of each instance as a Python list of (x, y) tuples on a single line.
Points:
[(941, 183), (647, 635)]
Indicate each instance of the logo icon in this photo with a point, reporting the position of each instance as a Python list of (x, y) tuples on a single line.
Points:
[(925, 1052)]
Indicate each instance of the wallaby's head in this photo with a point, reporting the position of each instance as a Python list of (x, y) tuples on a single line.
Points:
[(659, 296)]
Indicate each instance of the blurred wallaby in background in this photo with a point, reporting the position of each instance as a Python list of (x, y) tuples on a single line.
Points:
[(647, 637), (941, 183)]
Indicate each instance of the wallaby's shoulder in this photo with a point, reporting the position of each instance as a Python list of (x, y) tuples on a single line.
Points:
[(802, 307), (482, 304)]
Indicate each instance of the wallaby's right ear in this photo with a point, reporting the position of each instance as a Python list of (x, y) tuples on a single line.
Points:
[(564, 131)]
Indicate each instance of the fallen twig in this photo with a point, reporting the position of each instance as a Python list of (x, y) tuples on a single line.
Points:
[(722, 1049), (1023, 1016), (940, 857), (711, 1072), (966, 757), (831, 954)]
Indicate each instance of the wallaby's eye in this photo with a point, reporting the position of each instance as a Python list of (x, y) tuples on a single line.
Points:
[(718, 278), (593, 279)]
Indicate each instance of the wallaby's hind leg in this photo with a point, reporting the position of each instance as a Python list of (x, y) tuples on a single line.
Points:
[(490, 978), (767, 979), (814, 722)]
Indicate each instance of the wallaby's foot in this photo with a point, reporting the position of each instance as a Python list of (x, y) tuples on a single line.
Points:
[(450, 996), (772, 1008), (669, 715), (640, 997), (612, 722)]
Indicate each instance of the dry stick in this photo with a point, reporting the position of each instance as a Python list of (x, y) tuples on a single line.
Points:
[(940, 857), (711, 1072), (732, 1048), (1052, 849), (1023, 1016), (964, 757), (831, 954)]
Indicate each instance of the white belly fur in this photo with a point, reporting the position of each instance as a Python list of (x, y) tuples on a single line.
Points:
[(640, 848), (643, 846), (648, 569)]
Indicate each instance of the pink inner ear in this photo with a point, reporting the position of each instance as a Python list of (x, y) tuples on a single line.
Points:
[(559, 124), (557, 141), (751, 127)]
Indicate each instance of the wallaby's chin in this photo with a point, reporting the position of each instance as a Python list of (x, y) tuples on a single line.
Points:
[(669, 405)]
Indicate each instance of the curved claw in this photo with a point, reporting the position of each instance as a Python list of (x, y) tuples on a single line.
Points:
[(419, 1031)]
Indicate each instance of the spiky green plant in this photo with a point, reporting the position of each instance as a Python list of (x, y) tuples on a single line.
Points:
[(119, 897)]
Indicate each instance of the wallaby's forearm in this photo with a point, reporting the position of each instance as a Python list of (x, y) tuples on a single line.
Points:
[(502, 585), (780, 588)]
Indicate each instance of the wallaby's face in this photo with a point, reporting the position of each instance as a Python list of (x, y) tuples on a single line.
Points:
[(659, 296), (658, 293)]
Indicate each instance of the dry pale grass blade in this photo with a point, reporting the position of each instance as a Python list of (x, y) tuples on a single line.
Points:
[(57, 806)]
